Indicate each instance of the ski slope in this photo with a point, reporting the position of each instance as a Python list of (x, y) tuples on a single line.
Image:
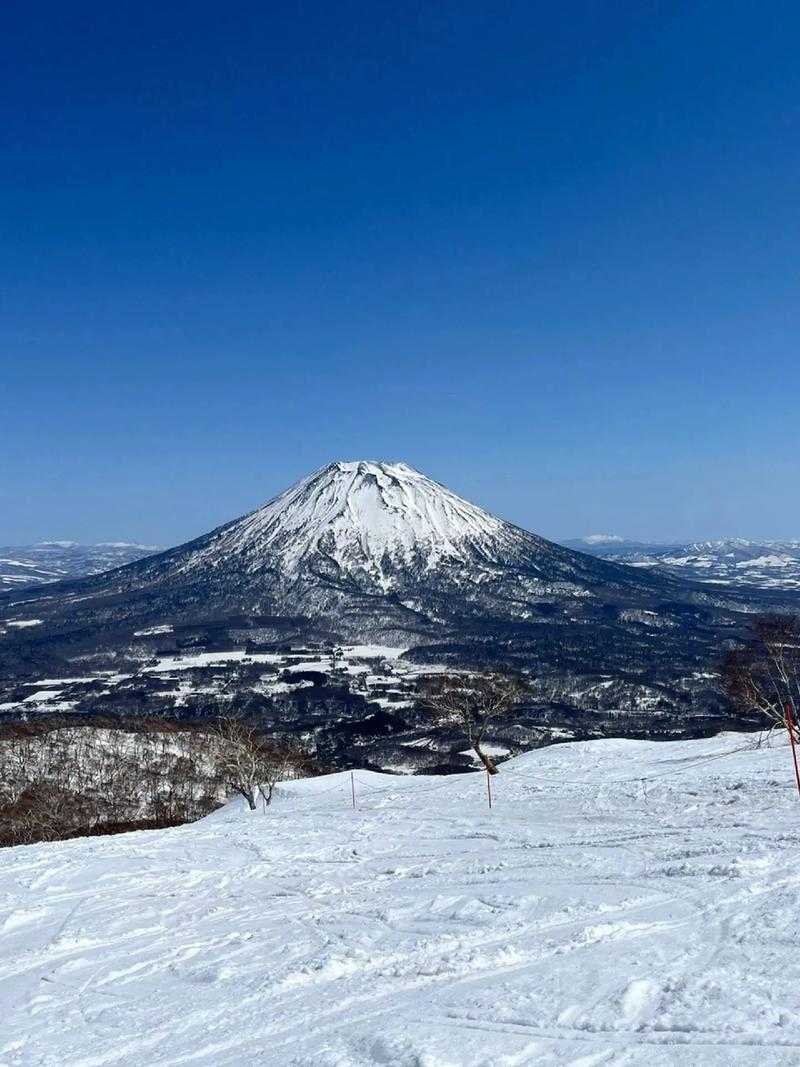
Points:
[(623, 903)]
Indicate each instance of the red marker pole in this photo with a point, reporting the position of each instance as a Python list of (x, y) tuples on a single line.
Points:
[(790, 727), (489, 788)]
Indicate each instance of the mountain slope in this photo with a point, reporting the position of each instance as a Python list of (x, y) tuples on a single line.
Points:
[(364, 548)]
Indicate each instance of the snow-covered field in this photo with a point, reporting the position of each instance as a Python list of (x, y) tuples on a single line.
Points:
[(388, 679), (622, 903)]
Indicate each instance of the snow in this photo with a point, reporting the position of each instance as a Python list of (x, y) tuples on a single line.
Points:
[(374, 651), (603, 539), (771, 560), (625, 903), (210, 659), (127, 544), (50, 561), (23, 622), (490, 750), (361, 514), (153, 631), (731, 561), (84, 680), (322, 662), (373, 665)]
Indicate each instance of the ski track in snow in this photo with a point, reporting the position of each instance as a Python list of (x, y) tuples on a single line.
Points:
[(590, 918)]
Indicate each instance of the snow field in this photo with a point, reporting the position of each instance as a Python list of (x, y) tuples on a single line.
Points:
[(623, 903)]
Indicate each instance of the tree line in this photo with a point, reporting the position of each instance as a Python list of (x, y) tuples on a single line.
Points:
[(73, 781)]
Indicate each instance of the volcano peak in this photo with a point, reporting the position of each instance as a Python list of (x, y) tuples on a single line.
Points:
[(364, 514)]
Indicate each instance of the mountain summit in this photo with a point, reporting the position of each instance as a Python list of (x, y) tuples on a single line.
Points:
[(386, 532), (367, 517)]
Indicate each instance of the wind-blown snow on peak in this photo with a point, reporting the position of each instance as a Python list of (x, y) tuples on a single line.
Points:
[(365, 514)]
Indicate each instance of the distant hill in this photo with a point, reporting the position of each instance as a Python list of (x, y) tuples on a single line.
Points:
[(23, 566), (727, 561)]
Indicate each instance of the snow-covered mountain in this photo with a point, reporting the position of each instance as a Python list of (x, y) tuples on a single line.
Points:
[(364, 549), (726, 561), (380, 528), (372, 553), (52, 561), (365, 518)]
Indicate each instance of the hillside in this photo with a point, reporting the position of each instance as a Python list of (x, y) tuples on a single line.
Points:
[(359, 550), (623, 902)]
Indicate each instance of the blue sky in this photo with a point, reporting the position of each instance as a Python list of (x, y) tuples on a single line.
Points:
[(550, 257)]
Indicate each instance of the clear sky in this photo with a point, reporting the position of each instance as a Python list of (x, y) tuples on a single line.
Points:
[(547, 253)]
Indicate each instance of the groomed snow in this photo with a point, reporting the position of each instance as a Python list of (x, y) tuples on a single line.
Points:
[(624, 903)]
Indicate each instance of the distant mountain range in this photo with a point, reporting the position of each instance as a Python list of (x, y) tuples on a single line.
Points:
[(728, 561), (22, 566), (319, 610)]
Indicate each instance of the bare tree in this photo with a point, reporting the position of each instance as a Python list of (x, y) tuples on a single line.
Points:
[(472, 702), (764, 675), (249, 764)]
